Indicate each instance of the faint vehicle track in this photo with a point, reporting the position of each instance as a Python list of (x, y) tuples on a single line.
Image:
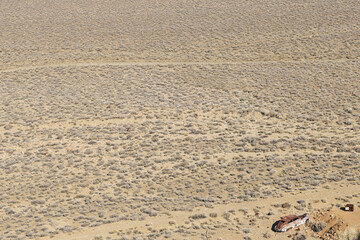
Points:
[(85, 64)]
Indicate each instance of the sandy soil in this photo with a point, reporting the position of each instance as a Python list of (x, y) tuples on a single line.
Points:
[(178, 119)]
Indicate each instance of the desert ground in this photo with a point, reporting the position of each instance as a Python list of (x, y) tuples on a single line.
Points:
[(179, 119)]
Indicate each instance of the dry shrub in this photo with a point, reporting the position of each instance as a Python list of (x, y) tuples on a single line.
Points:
[(316, 226), (299, 237), (198, 216), (348, 234)]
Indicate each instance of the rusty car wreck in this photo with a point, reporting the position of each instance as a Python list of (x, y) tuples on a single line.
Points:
[(291, 221)]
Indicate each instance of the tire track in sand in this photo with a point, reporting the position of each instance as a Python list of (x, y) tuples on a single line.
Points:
[(96, 64)]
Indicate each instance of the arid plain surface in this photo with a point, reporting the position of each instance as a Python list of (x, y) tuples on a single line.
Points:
[(181, 119)]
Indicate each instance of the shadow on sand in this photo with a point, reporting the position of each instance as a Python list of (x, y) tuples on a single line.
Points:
[(274, 225)]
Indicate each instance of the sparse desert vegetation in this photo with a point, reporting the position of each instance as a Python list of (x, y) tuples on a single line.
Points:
[(178, 119), (348, 234)]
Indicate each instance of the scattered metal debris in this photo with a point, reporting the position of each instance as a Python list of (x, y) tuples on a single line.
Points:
[(349, 207)]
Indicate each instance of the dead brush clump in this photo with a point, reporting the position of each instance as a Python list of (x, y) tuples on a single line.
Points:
[(198, 216), (348, 234), (316, 226)]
